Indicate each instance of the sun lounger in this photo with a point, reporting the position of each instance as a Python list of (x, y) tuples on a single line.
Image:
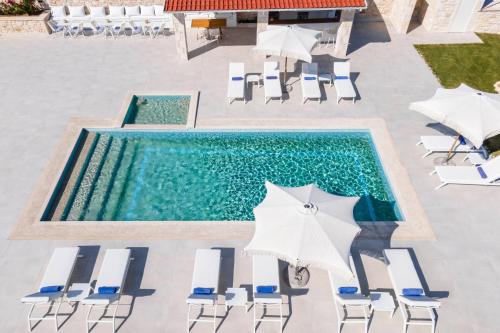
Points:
[(408, 289), (54, 284), (236, 82), (476, 158), (345, 298), (487, 174), (443, 144), (309, 82), (266, 288), (204, 286), (109, 286), (342, 82), (272, 81)]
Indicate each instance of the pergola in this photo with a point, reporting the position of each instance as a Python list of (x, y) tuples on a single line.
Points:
[(180, 7)]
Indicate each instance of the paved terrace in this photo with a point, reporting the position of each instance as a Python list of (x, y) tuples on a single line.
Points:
[(44, 82)]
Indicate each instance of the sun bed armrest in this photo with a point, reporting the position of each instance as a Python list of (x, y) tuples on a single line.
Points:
[(353, 299), (420, 301), (202, 299), (266, 298), (101, 299), (41, 297)]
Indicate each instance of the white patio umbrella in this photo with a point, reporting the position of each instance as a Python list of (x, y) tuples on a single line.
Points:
[(305, 226), (287, 41), (471, 113)]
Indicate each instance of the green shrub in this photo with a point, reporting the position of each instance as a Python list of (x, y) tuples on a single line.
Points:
[(26, 7)]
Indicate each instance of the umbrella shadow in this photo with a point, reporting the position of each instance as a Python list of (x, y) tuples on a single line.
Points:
[(289, 291)]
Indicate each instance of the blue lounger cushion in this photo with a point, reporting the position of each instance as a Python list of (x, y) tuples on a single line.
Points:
[(310, 78), (266, 289), (51, 289), (413, 291), (107, 290), (482, 173), (348, 290), (342, 78), (271, 77), (237, 78), (461, 139), (203, 291)]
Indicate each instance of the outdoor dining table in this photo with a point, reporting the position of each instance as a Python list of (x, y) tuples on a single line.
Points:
[(209, 24)]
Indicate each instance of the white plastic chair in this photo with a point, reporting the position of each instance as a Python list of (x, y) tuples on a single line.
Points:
[(265, 272), (345, 302), (57, 274), (113, 273), (205, 275), (403, 274), (236, 82), (487, 174), (309, 82)]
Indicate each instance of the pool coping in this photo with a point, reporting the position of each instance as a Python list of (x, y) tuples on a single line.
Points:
[(191, 118), (415, 227)]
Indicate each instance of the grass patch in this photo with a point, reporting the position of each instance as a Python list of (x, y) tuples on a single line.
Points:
[(476, 65)]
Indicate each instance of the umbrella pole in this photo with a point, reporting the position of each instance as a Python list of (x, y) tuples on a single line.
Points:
[(451, 150), (286, 66)]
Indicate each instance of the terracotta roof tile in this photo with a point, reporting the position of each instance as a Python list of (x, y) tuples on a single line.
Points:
[(220, 5)]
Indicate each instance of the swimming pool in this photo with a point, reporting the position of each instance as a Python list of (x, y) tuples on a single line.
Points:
[(158, 109), (125, 175)]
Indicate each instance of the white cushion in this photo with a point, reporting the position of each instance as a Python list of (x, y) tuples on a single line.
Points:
[(116, 11), (132, 10), (76, 11), (147, 10), (58, 11), (97, 11), (159, 10)]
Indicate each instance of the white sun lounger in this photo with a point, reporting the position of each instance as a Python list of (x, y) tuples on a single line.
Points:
[(57, 274), (342, 81), (205, 275), (443, 144), (113, 273), (343, 302), (403, 275), (236, 82), (309, 82), (265, 272), (272, 81), (469, 175)]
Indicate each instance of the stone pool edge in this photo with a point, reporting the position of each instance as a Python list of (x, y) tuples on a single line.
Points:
[(415, 227)]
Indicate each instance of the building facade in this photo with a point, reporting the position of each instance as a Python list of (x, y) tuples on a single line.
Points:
[(437, 15)]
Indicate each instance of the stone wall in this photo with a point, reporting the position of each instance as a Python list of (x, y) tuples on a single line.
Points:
[(23, 24), (486, 21), (401, 14), (344, 33), (378, 9), (105, 2)]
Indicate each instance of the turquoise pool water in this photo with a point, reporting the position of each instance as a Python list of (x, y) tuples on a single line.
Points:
[(171, 110), (214, 176)]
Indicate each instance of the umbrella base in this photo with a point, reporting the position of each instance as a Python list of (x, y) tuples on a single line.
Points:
[(443, 161), (298, 276)]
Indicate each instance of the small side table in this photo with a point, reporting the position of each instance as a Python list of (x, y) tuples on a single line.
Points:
[(382, 301), (236, 297), (253, 78), (326, 77)]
